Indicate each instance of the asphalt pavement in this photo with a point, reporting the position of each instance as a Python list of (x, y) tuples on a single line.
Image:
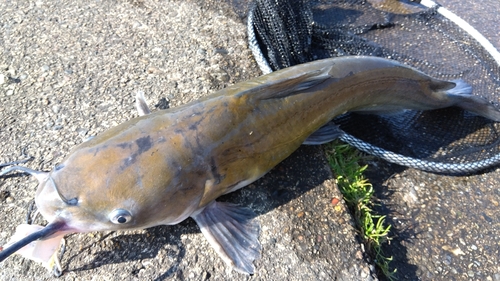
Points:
[(70, 69)]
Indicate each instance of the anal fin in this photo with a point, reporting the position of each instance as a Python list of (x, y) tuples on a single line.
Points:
[(232, 233)]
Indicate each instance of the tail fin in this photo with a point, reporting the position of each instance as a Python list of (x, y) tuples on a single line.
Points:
[(461, 88), (461, 95)]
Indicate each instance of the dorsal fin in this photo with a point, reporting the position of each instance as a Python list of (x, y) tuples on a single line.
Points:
[(288, 86), (140, 104)]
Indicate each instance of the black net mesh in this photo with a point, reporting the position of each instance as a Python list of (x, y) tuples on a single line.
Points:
[(284, 33)]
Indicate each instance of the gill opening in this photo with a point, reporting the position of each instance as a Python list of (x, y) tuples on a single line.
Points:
[(71, 202)]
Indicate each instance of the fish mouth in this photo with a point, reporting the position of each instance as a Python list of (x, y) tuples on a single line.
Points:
[(52, 228)]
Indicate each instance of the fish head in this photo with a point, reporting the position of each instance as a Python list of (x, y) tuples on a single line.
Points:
[(118, 181), (105, 186), (90, 199), (70, 204)]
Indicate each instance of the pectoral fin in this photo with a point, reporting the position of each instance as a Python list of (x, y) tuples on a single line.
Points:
[(325, 134), (232, 232)]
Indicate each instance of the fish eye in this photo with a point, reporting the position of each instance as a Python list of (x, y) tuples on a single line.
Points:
[(120, 216), (72, 202)]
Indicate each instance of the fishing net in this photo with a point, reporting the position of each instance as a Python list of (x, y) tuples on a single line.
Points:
[(423, 35)]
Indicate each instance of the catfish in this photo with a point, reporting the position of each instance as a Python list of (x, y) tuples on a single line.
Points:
[(166, 166)]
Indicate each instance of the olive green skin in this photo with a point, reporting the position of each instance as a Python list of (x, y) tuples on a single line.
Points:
[(165, 166)]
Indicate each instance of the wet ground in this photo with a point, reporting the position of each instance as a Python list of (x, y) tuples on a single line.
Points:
[(69, 69)]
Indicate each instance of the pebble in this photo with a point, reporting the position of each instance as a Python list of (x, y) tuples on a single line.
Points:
[(221, 51), (366, 270), (2, 79), (447, 260), (56, 108), (201, 52), (4, 194), (359, 255), (12, 72), (49, 124), (221, 75)]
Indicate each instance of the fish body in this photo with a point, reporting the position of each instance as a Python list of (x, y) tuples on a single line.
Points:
[(166, 166)]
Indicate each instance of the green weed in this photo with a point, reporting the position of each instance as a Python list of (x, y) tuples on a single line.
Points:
[(358, 194)]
